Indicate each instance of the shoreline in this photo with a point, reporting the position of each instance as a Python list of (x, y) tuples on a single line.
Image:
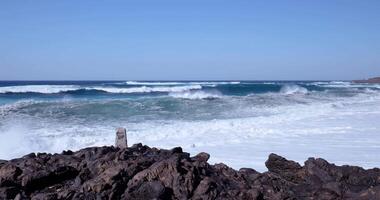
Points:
[(141, 172), (374, 80)]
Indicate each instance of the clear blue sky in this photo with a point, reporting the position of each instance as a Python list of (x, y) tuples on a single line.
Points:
[(189, 39)]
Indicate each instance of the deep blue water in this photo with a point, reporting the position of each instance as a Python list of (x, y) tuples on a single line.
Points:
[(104, 89)]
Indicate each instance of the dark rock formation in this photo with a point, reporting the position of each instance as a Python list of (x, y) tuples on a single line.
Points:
[(371, 80), (140, 172)]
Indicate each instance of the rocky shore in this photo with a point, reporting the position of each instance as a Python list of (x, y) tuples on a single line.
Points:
[(141, 172)]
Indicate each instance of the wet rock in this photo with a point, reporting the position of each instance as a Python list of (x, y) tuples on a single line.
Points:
[(148, 190), (141, 172), (8, 192), (8, 175), (202, 157), (288, 170), (34, 181), (44, 196)]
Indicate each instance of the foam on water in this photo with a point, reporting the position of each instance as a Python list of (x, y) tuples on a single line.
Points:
[(53, 89), (145, 89), (340, 125), (293, 89), (182, 83), (151, 83), (343, 84), (45, 89), (196, 95)]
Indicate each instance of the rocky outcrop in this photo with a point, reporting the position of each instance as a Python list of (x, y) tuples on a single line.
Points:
[(140, 172), (371, 80)]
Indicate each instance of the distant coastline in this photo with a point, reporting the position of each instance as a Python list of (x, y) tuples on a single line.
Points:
[(370, 80)]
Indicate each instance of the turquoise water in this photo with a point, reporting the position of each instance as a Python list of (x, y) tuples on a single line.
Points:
[(136, 101), (233, 120)]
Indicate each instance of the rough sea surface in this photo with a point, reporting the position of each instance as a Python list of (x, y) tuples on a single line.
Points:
[(238, 122)]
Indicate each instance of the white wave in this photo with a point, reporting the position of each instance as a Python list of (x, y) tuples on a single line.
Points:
[(195, 95), (345, 84), (45, 89), (217, 83), (145, 89), (293, 89), (153, 83), (53, 89), (344, 134), (182, 83), (13, 142), (269, 83), (322, 83), (339, 82)]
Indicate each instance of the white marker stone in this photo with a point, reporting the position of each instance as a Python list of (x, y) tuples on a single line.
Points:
[(121, 138)]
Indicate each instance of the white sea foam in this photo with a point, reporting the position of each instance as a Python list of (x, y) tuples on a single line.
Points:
[(344, 84), (145, 89), (343, 130), (337, 133), (182, 83), (269, 83), (13, 142), (152, 83), (52, 89), (45, 89), (196, 95), (293, 89)]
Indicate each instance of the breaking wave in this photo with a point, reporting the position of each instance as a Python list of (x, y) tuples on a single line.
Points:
[(247, 119), (54, 89), (196, 95), (145, 89), (293, 89), (182, 83), (43, 89), (344, 84)]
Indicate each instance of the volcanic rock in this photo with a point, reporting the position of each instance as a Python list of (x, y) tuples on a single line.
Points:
[(141, 172)]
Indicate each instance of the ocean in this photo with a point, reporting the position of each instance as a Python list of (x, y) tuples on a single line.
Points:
[(238, 123)]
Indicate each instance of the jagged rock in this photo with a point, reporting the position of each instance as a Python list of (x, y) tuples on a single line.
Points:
[(140, 172), (8, 192), (8, 173), (289, 170), (148, 190), (2, 162), (202, 156)]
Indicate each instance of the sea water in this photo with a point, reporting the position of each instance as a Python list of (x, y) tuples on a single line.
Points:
[(238, 122)]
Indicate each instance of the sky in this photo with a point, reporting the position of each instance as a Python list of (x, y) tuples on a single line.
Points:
[(189, 39)]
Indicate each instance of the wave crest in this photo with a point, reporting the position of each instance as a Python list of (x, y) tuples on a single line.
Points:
[(54, 89), (293, 89), (195, 95), (43, 89), (145, 89), (183, 83)]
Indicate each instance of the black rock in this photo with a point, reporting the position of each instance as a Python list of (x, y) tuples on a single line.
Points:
[(141, 172)]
